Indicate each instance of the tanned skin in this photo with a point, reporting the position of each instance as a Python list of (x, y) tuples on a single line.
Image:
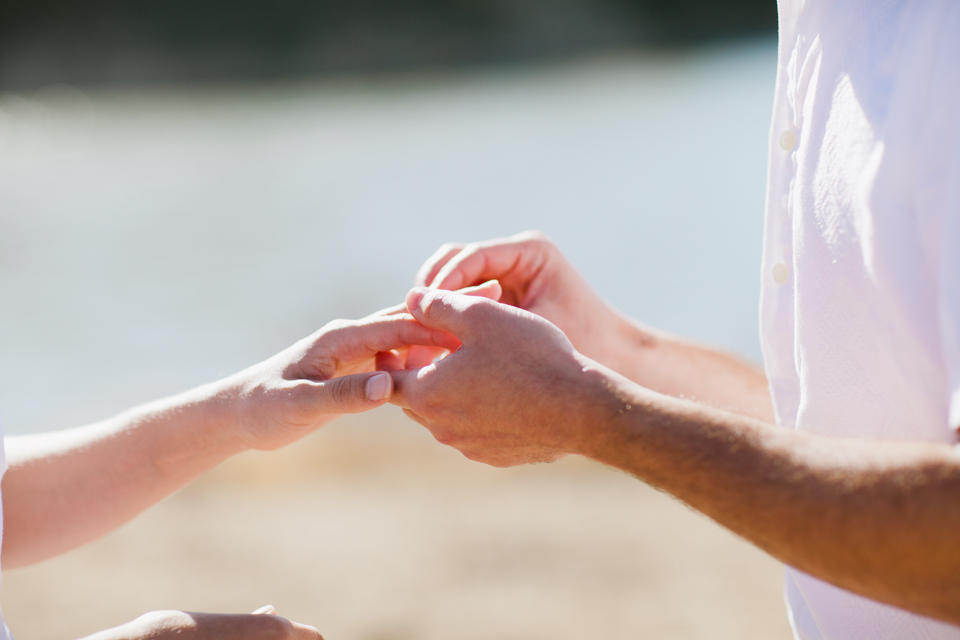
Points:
[(562, 373)]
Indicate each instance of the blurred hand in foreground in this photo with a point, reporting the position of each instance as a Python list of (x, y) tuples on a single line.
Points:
[(180, 625)]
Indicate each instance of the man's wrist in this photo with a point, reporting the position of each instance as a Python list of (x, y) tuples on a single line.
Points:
[(605, 399)]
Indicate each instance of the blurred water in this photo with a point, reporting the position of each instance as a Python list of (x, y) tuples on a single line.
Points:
[(152, 240)]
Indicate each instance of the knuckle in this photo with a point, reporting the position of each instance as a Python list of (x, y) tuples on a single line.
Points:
[(537, 238), (472, 456), (467, 252), (443, 439), (336, 325), (433, 302), (340, 390), (158, 621), (276, 628), (478, 311), (444, 436)]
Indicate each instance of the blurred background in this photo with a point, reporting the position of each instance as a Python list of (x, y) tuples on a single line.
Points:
[(188, 187), (46, 41)]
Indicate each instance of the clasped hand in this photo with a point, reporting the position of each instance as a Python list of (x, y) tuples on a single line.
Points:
[(497, 380), (518, 387)]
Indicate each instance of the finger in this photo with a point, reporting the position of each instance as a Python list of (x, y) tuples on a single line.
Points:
[(416, 417), (266, 610), (434, 263), (348, 394), (390, 360), (213, 625), (404, 387), (363, 339), (490, 290), (305, 632), (448, 311), (422, 356), (495, 259)]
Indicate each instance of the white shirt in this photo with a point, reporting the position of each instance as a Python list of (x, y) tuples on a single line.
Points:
[(860, 302)]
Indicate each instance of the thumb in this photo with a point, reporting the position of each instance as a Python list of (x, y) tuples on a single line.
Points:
[(355, 393), (448, 311)]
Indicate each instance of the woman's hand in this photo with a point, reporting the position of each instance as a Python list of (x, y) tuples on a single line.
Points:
[(182, 625), (331, 373), (325, 375)]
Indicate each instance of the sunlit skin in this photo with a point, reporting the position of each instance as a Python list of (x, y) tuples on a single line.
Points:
[(562, 373), (66, 488)]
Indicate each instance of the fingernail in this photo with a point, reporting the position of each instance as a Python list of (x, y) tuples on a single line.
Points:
[(269, 609), (414, 298), (378, 387)]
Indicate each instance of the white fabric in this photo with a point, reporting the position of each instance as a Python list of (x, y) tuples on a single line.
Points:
[(4, 631), (860, 322)]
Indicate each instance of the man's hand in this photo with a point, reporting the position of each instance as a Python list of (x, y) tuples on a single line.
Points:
[(536, 277), (877, 518), (513, 391), (181, 625)]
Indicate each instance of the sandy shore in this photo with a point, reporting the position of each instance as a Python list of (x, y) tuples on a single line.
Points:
[(371, 531)]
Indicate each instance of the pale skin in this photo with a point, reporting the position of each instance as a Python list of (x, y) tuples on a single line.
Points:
[(563, 373), (66, 488)]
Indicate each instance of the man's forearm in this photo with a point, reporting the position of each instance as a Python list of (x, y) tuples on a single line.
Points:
[(877, 518), (676, 367), (65, 488)]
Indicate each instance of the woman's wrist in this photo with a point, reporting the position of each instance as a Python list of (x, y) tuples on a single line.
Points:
[(226, 411), (203, 419)]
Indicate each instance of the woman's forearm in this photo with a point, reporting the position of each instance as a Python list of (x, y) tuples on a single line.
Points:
[(65, 488)]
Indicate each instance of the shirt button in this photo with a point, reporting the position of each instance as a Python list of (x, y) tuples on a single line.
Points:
[(780, 273), (788, 140)]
